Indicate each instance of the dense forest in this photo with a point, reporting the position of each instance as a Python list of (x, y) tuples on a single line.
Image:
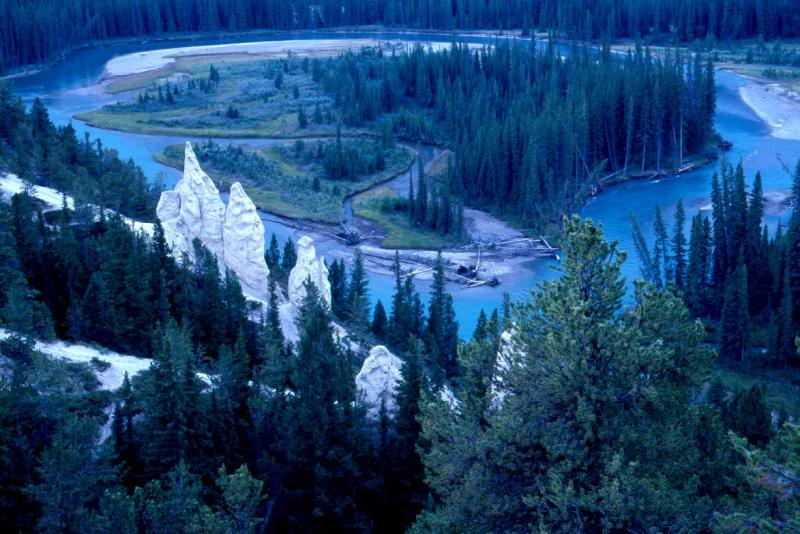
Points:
[(533, 133), (36, 32), (731, 272), (571, 410), (32, 147)]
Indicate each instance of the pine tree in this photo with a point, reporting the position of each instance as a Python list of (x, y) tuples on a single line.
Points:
[(358, 293), (563, 446), (174, 426), (679, 248), (380, 322), (289, 256), (441, 336), (241, 497), (735, 323)]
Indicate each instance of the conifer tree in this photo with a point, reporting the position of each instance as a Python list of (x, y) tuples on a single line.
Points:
[(735, 322), (324, 433), (289, 256), (72, 474), (358, 293), (174, 426), (406, 488), (679, 248), (400, 319), (273, 255), (441, 335), (563, 447), (380, 323), (337, 275)]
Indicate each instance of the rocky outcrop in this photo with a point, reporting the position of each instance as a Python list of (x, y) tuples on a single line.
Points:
[(243, 242), (378, 379), (308, 266), (193, 209), (507, 355)]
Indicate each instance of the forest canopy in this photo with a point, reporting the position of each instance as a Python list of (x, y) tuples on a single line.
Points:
[(37, 32)]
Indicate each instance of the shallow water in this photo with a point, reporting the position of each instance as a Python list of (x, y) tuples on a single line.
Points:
[(66, 89)]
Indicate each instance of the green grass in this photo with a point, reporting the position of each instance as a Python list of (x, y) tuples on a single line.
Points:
[(399, 233), (245, 83), (288, 190), (172, 123)]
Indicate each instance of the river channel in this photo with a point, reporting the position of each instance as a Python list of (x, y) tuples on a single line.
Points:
[(70, 87)]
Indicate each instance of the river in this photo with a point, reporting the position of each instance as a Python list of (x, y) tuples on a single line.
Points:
[(70, 87)]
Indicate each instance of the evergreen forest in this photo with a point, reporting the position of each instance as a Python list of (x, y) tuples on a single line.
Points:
[(38, 32), (571, 410)]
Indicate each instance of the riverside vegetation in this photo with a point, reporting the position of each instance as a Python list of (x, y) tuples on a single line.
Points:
[(533, 134), (303, 179), (280, 432), (575, 410)]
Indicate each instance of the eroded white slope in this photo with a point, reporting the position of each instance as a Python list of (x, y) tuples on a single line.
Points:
[(111, 378)]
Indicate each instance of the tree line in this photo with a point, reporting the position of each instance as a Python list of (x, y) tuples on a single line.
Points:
[(53, 156), (731, 272), (586, 415), (37, 32), (533, 133), (600, 420)]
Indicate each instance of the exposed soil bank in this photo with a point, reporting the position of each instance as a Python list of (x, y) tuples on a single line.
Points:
[(776, 105)]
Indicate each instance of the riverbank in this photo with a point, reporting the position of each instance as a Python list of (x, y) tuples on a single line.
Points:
[(776, 105), (772, 91), (153, 60), (690, 163), (29, 70)]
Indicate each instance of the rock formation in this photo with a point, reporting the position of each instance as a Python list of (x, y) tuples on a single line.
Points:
[(193, 209), (308, 266), (243, 242), (507, 355), (377, 380)]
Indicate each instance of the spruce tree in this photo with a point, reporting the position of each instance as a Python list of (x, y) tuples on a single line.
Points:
[(679, 248), (273, 255), (174, 426), (734, 339), (289, 256), (71, 475), (400, 319), (324, 433), (661, 259), (358, 293), (406, 488), (380, 323), (563, 446)]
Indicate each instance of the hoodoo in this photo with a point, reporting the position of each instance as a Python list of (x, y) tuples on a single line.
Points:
[(194, 209), (308, 266), (378, 379)]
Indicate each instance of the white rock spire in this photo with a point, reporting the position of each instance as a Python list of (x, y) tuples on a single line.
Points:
[(308, 266), (378, 379), (193, 209), (243, 242)]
